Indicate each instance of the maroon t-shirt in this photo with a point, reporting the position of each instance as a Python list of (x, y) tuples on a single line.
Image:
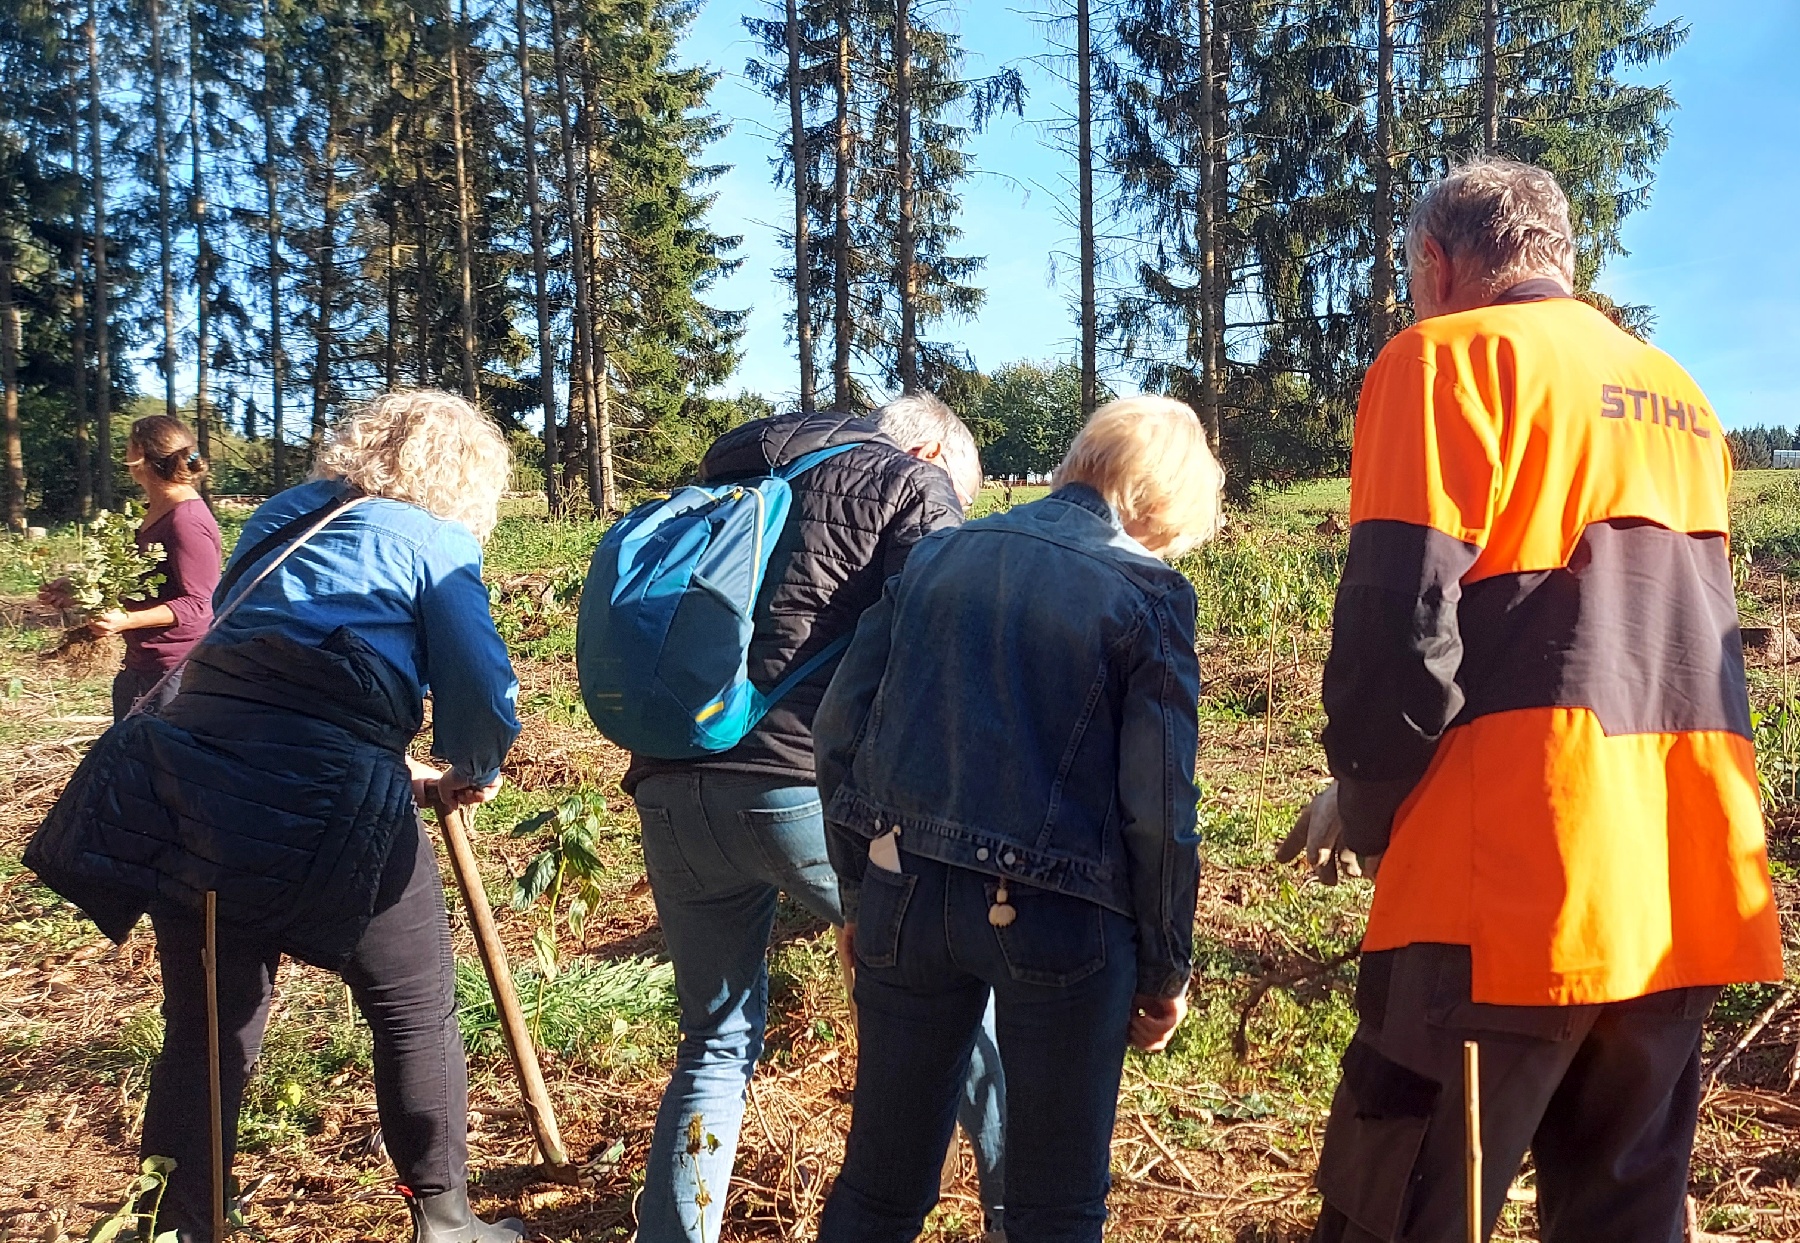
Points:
[(192, 556)]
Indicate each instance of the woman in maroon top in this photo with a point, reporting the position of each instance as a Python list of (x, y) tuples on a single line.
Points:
[(165, 461)]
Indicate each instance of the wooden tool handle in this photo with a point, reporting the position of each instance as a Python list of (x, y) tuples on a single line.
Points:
[(456, 823), (215, 1096), (1472, 1118)]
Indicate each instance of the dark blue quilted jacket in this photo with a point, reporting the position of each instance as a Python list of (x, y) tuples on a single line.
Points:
[(277, 778)]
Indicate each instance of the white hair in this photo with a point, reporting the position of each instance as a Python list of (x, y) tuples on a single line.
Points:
[(919, 419), (424, 446), (1511, 219)]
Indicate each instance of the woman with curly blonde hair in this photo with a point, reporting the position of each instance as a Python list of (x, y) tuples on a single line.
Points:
[(278, 778)]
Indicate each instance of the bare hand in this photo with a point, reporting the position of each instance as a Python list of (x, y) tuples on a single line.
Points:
[(456, 790), (110, 623), (1154, 1020), (425, 779), (846, 956), (59, 594)]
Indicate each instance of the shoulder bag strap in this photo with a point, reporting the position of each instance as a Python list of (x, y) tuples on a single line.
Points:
[(312, 522)]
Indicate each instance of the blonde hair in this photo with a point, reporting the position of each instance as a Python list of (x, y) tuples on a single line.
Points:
[(424, 446), (1148, 457)]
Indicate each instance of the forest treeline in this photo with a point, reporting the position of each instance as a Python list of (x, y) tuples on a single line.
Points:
[(1753, 448), (261, 210)]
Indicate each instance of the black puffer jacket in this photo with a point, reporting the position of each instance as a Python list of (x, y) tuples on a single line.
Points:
[(276, 778), (854, 519)]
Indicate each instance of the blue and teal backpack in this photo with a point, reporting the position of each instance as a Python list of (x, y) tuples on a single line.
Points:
[(663, 642)]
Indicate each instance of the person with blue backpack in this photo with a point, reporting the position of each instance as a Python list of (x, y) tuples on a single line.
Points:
[(710, 625)]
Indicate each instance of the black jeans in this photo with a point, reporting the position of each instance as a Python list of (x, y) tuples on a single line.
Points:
[(401, 977), (130, 685), (1604, 1096)]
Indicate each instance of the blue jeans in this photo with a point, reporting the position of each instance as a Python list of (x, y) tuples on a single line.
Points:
[(718, 848), (1062, 976)]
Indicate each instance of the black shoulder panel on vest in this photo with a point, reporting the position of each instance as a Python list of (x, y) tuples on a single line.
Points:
[(1640, 627)]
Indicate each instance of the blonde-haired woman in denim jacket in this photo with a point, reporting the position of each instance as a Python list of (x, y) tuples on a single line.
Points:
[(1006, 757)]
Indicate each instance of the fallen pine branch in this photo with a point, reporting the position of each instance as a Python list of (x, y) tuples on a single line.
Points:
[(1750, 1034), (1240, 1040)]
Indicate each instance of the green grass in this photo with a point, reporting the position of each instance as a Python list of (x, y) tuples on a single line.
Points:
[(618, 1012), (1766, 517)]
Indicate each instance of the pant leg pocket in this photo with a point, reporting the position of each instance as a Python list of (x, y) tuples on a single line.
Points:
[(664, 863), (1054, 940), (1373, 1138), (884, 898)]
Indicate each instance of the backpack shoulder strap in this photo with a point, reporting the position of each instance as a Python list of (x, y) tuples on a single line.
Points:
[(806, 461)]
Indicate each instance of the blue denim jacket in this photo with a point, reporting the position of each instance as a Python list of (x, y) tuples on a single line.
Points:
[(1023, 702)]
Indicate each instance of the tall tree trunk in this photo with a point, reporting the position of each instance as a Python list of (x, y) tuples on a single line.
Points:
[(422, 309), (272, 227), (600, 432), (326, 269), (602, 441), (1223, 15), (1084, 114), (583, 360), (907, 242), (390, 346), (1208, 228), (9, 396), (203, 255), (574, 442), (84, 464), (1382, 277), (803, 332), (843, 388), (1490, 75), (539, 264), (84, 449), (159, 131), (465, 211), (102, 283)]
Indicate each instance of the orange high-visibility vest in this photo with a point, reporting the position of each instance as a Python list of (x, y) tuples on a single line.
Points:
[(1587, 821)]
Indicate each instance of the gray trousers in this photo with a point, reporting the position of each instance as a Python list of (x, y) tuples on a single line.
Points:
[(1605, 1097)]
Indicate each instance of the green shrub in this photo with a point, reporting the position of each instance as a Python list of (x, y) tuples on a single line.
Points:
[(1252, 583)]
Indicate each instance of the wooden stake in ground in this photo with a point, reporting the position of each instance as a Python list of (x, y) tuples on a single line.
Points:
[(456, 823), (215, 1094), (1472, 1115)]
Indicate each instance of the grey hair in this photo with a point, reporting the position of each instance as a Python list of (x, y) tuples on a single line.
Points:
[(1512, 219), (920, 419)]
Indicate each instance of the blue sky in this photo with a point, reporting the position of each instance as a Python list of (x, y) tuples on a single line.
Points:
[(1717, 253)]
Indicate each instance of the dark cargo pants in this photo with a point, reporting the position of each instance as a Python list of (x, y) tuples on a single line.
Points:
[(1605, 1097), (401, 976)]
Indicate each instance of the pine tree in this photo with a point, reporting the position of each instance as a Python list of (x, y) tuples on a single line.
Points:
[(799, 67), (546, 341), (911, 204)]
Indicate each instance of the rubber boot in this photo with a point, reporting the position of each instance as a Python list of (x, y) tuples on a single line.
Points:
[(447, 1218)]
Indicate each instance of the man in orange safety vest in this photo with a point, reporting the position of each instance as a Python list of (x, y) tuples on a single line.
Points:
[(1538, 723)]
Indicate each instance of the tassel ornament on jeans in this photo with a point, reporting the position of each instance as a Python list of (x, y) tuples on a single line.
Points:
[(1002, 912)]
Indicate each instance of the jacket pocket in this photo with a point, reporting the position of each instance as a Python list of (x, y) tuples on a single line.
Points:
[(1373, 1139), (1054, 939), (881, 908)]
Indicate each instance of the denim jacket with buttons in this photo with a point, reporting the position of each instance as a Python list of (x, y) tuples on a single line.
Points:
[(1023, 702)]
